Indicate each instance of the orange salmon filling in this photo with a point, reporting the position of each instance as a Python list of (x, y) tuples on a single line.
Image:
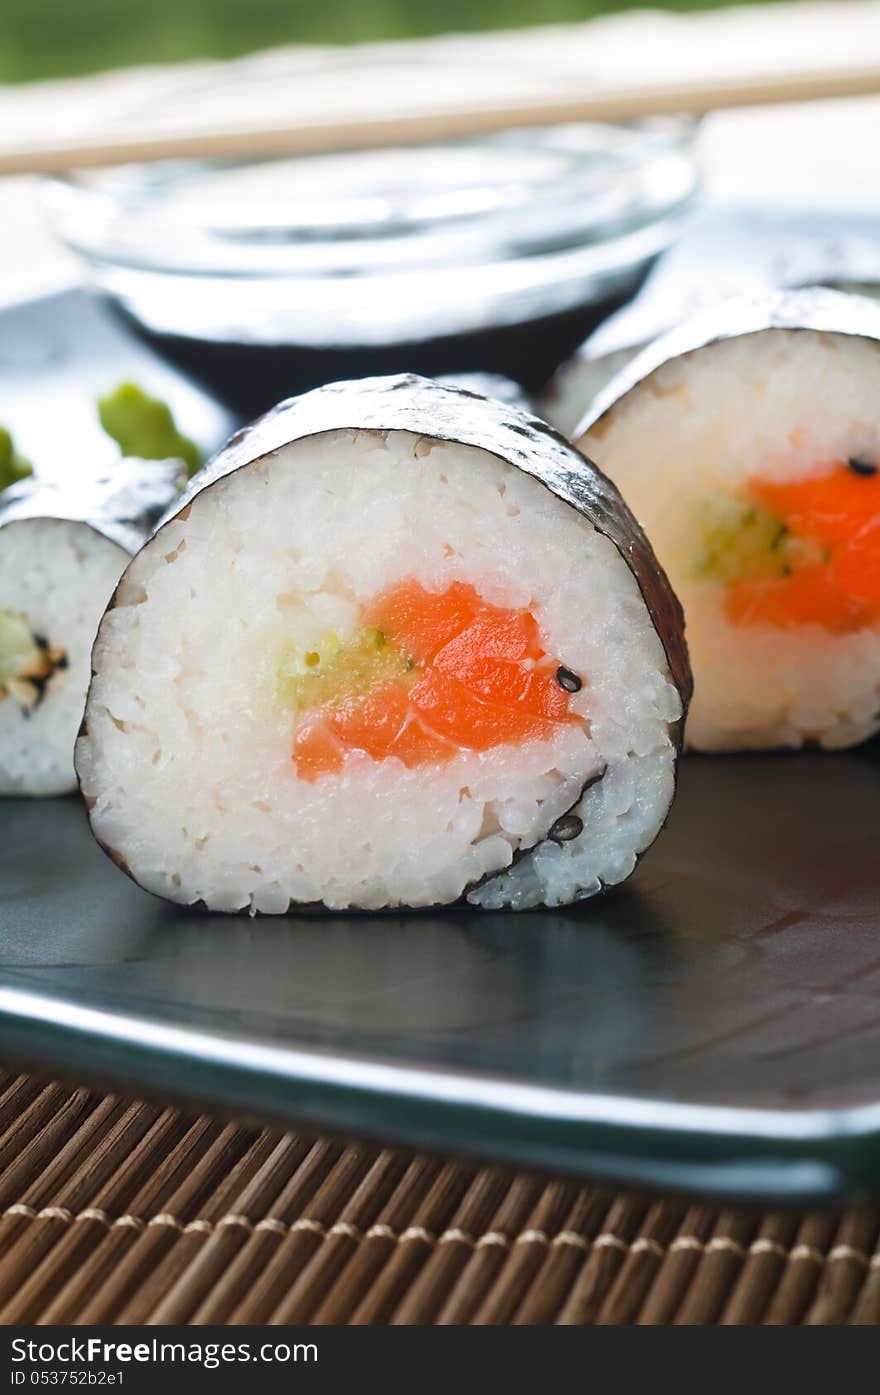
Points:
[(477, 678), (840, 590)]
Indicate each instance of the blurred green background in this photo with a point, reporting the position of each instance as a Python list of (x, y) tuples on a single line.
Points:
[(50, 38)]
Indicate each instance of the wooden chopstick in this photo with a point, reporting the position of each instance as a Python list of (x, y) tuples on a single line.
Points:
[(353, 130)]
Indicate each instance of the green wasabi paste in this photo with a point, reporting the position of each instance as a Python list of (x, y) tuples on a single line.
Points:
[(144, 426), (13, 467)]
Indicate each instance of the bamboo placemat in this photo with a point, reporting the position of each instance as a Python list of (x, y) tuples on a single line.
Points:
[(115, 1211)]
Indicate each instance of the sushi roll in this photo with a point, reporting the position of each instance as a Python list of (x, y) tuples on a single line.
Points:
[(399, 646), (747, 443), (62, 551), (579, 381)]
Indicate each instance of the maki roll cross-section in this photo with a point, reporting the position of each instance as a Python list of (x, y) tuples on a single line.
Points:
[(747, 443), (398, 645), (62, 550)]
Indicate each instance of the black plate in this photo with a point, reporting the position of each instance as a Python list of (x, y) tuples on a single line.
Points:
[(712, 1025), (58, 354)]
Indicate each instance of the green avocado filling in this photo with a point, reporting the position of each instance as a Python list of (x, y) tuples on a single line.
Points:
[(144, 426), (340, 669), (19, 651), (743, 542), (13, 467), (25, 661)]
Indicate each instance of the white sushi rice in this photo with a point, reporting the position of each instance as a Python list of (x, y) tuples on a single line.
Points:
[(782, 405), (186, 760), (59, 575)]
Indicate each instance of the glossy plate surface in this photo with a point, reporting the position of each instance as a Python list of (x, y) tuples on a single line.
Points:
[(714, 1024)]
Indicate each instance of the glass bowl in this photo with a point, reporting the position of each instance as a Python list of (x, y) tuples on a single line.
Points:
[(496, 253)]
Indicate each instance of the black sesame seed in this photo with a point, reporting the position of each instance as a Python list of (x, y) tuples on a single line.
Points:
[(566, 828), (861, 467), (568, 680)]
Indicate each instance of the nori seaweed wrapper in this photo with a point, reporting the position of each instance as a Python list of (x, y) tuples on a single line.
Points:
[(815, 308), (123, 503)]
